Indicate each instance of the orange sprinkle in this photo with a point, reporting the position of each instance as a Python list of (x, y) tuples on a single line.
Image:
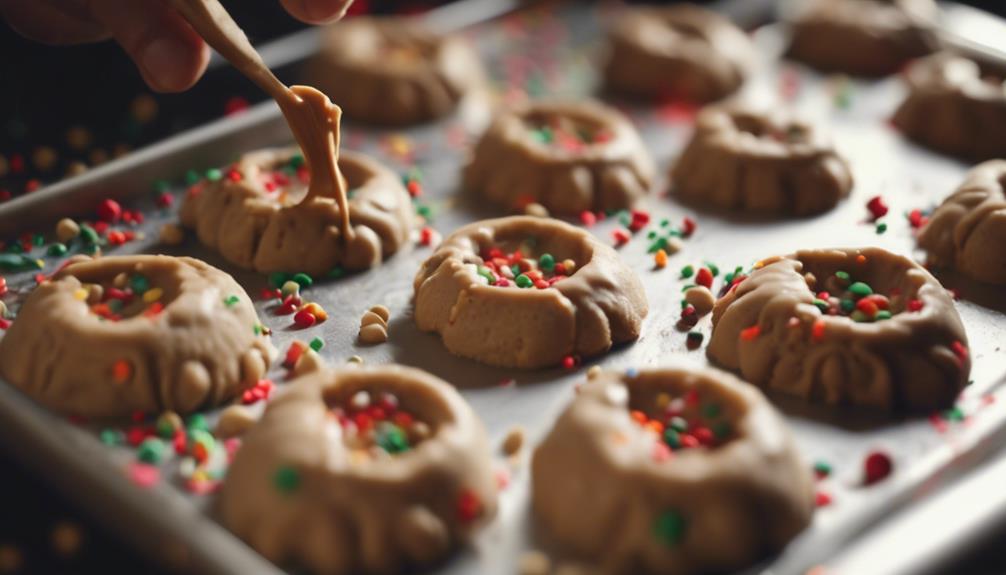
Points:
[(660, 259), (655, 426), (154, 310), (121, 371), (860, 259), (638, 416), (751, 333), (817, 331)]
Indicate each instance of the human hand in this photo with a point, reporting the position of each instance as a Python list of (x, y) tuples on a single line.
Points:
[(170, 55)]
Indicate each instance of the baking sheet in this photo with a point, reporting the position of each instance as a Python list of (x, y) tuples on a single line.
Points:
[(549, 50)]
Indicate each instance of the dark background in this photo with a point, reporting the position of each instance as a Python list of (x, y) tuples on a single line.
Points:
[(46, 91)]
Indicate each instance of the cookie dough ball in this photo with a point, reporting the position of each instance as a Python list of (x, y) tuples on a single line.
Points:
[(956, 107), (255, 217), (121, 334), (361, 470), (844, 327), (681, 52), (566, 156), (968, 231), (695, 468), (392, 71), (527, 292), (864, 37), (743, 160)]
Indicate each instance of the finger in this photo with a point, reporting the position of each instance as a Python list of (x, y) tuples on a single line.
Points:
[(170, 54), (317, 11), (47, 22)]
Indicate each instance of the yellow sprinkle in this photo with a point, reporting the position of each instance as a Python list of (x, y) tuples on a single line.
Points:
[(568, 266), (152, 295), (80, 294), (200, 475), (663, 400), (316, 310), (759, 264), (41, 264), (660, 259)]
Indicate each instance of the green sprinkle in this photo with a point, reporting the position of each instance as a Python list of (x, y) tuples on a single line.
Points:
[(713, 269), (687, 271), (231, 300), (392, 439), (424, 210), (524, 281), (112, 437), (296, 161), (665, 222), (860, 289), (151, 451), (953, 414), (486, 273), (546, 262), (88, 235), (139, 283), (882, 314), (678, 424), (203, 438), (164, 428), (821, 304), (161, 186), (711, 410), (303, 280), (844, 276), (671, 438), (881, 228), (196, 422), (192, 177), (57, 249), (38, 240), (822, 468), (257, 329), (847, 305), (317, 343), (214, 175), (660, 244), (286, 479), (14, 248), (651, 235), (670, 528)]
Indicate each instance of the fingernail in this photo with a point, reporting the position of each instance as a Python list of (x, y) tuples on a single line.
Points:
[(166, 63), (324, 10)]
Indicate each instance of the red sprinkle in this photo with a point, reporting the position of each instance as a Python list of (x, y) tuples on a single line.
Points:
[(817, 331), (426, 236), (876, 467), (109, 211), (688, 226), (822, 499), (415, 188), (878, 208), (621, 237), (587, 218), (569, 362), (751, 333), (960, 350), (144, 475), (915, 305), (293, 354), (704, 278), (304, 319), (469, 506)]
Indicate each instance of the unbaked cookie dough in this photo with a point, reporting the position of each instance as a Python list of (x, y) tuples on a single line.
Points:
[(361, 470), (258, 214), (121, 334), (527, 292), (956, 107), (967, 231), (392, 71), (677, 52), (693, 466), (864, 37), (566, 156), (744, 160), (864, 327)]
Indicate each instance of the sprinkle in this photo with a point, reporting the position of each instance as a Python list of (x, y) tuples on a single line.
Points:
[(877, 207), (751, 333), (293, 354), (860, 259), (151, 450), (688, 227), (822, 469), (876, 467), (469, 506), (881, 228), (860, 289), (122, 370), (822, 499), (817, 330), (669, 527), (960, 350), (660, 259), (230, 301), (214, 175), (569, 362), (915, 305), (109, 211), (303, 280), (316, 344), (704, 278), (694, 340), (587, 218), (286, 479), (620, 236), (687, 272), (304, 319), (143, 475)]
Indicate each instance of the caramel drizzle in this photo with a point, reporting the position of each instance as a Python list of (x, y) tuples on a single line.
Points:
[(312, 117)]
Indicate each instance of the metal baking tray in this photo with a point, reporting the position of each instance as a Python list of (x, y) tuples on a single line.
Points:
[(549, 49)]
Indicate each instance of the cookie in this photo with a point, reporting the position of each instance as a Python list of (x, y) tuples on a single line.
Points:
[(742, 159), (955, 106), (681, 52), (861, 327), (864, 37), (527, 292), (695, 468), (258, 215), (567, 156), (121, 334), (394, 72), (967, 231), (361, 470)]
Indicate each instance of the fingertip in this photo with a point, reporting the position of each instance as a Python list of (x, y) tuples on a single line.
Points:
[(317, 11), (173, 62)]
